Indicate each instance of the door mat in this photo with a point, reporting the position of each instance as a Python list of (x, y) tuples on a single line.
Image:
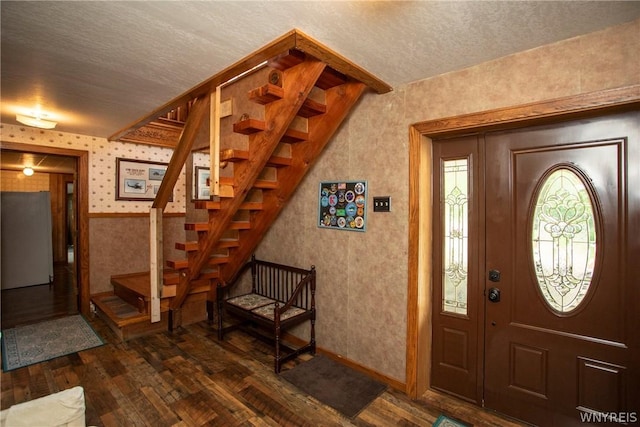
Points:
[(444, 421), (30, 344), (334, 384)]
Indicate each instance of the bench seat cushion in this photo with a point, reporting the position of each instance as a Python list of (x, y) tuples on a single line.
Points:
[(263, 306), (250, 301), (266, 311)]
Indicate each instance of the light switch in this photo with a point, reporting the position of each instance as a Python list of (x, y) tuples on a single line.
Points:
[(382, 204)]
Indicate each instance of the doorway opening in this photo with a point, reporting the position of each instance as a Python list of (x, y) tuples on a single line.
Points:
[(64, 173)]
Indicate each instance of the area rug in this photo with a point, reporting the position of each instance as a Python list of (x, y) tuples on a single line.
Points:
[(444, 421), (30, 344), (334, 384)]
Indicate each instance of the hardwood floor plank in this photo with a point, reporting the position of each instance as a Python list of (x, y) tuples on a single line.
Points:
[(189, 378), (263, 403), (166, 416)]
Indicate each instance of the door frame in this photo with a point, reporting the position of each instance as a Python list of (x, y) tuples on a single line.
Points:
[(82, 190), (421, 135)]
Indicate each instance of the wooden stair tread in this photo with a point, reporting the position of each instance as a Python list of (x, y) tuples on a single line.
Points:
[(292, 136), (248, 126), (251, 126), (292, 57), (265, 185), (194, 246), (266, 94), (127, 323), (311, 108), (215, 205), (136, 282), (118, 310), (227, 183), (270, 93), (232, 155), (180, 264)]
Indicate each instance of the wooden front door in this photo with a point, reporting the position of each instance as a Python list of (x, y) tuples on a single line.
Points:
[(561, 288), (536, 284)]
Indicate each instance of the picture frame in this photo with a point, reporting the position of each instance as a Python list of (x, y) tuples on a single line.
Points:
[(342, 205), (138, 179), (202, 180)]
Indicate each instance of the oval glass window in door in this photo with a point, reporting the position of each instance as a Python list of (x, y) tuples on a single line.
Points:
[(563, 240)]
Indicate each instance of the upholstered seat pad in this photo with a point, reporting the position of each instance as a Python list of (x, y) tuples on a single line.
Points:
[(267, 312), (251, 301)]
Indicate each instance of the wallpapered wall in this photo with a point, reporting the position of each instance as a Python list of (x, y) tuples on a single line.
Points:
[(362, 276), (102, 165)]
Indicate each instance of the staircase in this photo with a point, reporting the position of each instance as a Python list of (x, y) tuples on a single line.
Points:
[(263, 179)]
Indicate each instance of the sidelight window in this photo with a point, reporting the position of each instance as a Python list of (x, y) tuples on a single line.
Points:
[(563, 240), (456, 235)]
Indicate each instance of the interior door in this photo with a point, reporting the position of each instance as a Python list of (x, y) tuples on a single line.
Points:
[(561, 273)]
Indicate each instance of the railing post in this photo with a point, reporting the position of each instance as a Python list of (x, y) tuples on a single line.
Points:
[(214, 142), (156, 261)]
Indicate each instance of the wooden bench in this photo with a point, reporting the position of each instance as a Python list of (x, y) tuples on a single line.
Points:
[(281, 297)]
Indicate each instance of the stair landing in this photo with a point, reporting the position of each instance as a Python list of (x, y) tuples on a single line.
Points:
[(127, 309)]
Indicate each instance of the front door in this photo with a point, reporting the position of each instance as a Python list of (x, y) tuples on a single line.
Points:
[(536, 284), (561, 276)]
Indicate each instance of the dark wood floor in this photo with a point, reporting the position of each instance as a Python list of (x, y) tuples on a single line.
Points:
[(37, 303), (189, 378)]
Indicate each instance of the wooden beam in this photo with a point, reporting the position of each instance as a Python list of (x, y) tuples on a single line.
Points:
[(570, 107), (182, 151)]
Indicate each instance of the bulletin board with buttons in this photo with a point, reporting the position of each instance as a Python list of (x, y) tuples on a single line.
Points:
[(342, 205)]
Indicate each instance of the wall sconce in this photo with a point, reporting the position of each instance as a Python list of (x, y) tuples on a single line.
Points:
[(28, 171), (36, 121)]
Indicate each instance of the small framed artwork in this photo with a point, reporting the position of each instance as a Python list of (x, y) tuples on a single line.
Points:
[(342, 205), (138, 179), (202, 179)]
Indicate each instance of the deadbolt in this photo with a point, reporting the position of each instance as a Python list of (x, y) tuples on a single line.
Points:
[(494, 295), (494, 275)]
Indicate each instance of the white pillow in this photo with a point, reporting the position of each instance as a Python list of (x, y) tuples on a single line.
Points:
[(65, 408)]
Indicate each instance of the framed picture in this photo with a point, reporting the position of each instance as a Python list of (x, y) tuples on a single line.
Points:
[(202, 183), (138, 179), (342, 205)]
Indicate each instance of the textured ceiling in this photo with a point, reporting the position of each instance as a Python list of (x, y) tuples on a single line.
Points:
[(99, 66)]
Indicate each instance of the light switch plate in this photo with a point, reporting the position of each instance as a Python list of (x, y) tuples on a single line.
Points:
[(382, 204)]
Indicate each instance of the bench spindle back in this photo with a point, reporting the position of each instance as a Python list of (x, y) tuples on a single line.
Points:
[(281, 282)]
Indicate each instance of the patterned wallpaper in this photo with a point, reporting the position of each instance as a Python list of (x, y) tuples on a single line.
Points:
[(102, 165)]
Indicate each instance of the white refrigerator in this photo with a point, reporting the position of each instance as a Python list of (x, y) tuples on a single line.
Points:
[(27, 248)]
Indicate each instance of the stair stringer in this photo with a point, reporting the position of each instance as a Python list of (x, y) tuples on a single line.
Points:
[(339, 101), (298, 82)]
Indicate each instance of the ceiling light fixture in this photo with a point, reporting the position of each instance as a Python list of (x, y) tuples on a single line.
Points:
[(27, 171), (36, 120)]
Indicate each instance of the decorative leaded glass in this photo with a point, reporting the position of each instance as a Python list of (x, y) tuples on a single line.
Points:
[(563, 240), (456, 236)]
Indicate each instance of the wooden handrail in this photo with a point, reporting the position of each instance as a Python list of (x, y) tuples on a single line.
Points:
[(181, 153)]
